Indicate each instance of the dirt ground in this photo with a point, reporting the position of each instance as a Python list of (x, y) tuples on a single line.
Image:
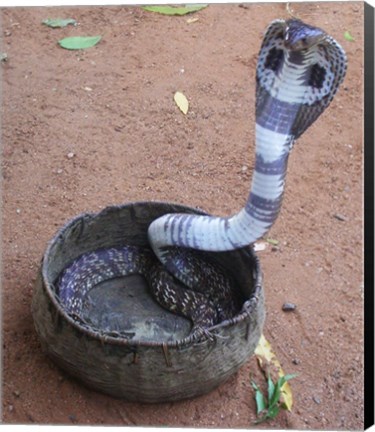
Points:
[(83, 130)]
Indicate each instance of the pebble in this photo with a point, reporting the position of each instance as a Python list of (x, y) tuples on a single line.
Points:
[(10, 408), (59, 171), (340, 217), (18, 211), (260, 246), (70, 155), (288, 307), (316, 400), (17, 393)]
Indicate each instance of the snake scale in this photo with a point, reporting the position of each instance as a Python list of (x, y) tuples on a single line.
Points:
[(299, 70)]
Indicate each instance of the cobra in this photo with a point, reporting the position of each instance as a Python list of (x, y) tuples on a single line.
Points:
[(299, 70)]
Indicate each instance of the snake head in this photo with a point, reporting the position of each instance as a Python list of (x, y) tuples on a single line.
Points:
[(299, 36)]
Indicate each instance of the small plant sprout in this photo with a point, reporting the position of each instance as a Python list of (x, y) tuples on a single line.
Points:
[(269, 407)]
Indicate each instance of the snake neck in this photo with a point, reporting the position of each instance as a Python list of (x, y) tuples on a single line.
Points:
[(210, 233), (275, 114)]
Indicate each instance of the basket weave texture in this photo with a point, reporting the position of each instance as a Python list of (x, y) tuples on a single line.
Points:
[(142, 370)]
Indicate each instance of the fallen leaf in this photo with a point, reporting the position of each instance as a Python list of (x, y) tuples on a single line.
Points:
[(59, 22), (264, 352), (287, 392), (273, 242), (79, 42), (192, 20), (174, 10), (348, 36), (181, 102)]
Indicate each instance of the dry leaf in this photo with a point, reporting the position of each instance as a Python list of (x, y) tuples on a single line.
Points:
[(264, 353), (181, 102), (192, 20)]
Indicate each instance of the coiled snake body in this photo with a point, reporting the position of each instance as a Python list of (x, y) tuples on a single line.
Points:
[(299, 70)]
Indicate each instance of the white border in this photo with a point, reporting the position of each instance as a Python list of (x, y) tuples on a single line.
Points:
[(11, 3), (17, 3)]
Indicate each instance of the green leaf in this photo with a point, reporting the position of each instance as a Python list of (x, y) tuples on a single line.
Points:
[(273, 411), (254, 385), (271, 405), (174, 10), (274, 399), (260, 401), (348, 36), (79, 42), (271, 388), (282, 380), (273, 241), (59, 22), (259, 398), (289, 377)]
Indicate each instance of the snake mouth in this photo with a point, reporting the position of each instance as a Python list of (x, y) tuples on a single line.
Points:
[(299, 36)]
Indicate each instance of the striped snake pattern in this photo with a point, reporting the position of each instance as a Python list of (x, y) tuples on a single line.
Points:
[(299, 70)]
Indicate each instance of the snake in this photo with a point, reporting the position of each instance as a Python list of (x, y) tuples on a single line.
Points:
[(299, 70)]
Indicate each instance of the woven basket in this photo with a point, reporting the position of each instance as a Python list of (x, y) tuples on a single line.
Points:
[(158, 362)]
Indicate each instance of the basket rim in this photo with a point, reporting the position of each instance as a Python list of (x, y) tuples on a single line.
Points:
[(247, 309)]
